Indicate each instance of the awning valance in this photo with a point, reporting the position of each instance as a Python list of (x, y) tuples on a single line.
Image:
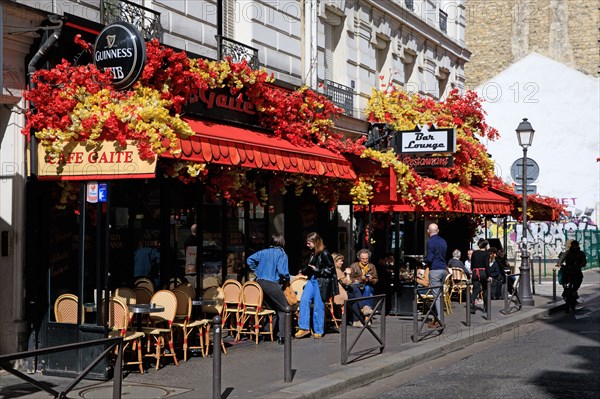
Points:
[(239, 146), (486, 202)]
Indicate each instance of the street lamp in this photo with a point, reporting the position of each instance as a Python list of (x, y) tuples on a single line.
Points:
[(525, 135)]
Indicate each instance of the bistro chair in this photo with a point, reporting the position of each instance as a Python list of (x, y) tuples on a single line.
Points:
[(65, 309), (448, 294), (252, 312), (183, 321), (209, 282), (145, 282), (162, 330), (232, 304), (118, 322), (188, 289), (126, 295), (174, 282), (298, 287), (217, 296), (142, 295), (459, 282)]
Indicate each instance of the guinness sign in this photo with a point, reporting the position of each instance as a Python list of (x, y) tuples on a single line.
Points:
[(121, 48)]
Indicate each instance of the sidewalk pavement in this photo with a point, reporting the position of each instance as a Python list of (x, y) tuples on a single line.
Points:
[(251, 371)]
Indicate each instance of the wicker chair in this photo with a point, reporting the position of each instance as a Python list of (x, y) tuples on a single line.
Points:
[(252, 312), (459, 282), (162, 330), (232, 304), (142, 294), (217, 295), (127, 295), (448, 294), (188, 289), (145, 282), (118, 322), (65, 309), (183, 321)]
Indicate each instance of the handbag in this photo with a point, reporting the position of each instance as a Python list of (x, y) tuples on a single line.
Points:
[(290, 295), (560, 275)]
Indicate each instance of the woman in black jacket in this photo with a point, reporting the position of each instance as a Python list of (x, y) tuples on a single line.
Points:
[(480, 272), (320, 286)]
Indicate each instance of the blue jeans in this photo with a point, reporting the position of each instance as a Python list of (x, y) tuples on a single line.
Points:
[(311, 293), (367, 291), (436, 278)]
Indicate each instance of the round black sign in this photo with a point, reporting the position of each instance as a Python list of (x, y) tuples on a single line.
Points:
[(121, 48)]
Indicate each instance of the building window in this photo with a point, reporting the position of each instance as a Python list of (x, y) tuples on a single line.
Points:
[(443, 21)]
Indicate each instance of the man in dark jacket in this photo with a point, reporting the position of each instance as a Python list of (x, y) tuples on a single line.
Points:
[(436, 260)]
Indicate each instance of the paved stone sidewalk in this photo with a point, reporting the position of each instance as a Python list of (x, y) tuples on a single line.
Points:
[(250, 370)]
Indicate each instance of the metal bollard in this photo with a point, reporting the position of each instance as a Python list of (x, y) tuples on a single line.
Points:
[(488, 300), (415, 336), (532, 270), (540, 270), (505, 293), (554, 285), (468, 305), (217, 357), (287, 345)]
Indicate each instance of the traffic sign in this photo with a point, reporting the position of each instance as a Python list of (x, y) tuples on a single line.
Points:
[(516, 170), (102, 193), (530, 189), (92, 192)]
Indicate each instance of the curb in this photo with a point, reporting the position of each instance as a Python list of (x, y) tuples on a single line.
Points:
[(367, 371)]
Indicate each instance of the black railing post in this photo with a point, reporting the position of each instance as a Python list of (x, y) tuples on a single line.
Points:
[(287, 348), (118, 373), (217, 357), (532, 268), (505, 293), (344, 332), (468, 305), (415, 336), (382, 328), (488, 299), (554, 285)]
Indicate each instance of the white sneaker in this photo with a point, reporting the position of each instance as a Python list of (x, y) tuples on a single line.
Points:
[(366, 310), (357, 324)]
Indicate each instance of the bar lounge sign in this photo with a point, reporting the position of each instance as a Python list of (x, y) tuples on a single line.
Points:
[(121, 48), (426, 140)]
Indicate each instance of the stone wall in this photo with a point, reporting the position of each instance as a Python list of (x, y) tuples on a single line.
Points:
[(501, 32)]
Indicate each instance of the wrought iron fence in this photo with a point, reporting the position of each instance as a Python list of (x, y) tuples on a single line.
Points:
[(342, 96), (144, 19), (237, 51)]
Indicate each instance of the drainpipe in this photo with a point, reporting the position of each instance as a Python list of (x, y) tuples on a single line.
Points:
[(31, 68)]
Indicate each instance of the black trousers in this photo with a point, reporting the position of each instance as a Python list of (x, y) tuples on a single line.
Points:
[(479, 286), (275, 300)]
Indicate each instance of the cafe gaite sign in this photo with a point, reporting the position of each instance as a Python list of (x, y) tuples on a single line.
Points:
[(426, 140), (120, 48)]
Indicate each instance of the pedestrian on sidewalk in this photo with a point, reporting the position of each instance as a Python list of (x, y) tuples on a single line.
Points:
[(320, 286), (436, 260), (480, 272), (271, 268), (354, 317)]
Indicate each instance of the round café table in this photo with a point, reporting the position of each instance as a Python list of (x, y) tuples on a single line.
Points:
[(140, 309)]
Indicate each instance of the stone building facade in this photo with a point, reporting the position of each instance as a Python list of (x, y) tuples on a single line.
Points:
[(502, 32)]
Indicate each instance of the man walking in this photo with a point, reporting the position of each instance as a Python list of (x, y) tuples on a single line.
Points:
[(436, 260)]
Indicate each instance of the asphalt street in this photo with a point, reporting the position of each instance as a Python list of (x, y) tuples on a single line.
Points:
[(557, 356)]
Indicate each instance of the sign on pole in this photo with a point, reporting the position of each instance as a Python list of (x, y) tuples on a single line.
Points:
[(530, 189), (516, 171)]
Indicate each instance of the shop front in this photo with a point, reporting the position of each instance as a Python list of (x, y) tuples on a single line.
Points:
[(103, 212)]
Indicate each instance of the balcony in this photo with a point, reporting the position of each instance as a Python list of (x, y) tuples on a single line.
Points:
[(409, 4), (237, 51), (147, 21), (342, 96)]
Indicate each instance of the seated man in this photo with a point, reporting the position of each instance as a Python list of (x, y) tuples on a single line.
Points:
[(363, 275)]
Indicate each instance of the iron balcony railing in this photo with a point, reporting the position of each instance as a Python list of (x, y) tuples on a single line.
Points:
[(342, 96), (237, 51), (147, 21)]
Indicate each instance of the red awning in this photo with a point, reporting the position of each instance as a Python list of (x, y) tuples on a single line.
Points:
[(486, 202), (244, 147), (538, 210)]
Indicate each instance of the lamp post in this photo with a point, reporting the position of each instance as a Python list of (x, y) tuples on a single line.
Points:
[(525, 136)]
